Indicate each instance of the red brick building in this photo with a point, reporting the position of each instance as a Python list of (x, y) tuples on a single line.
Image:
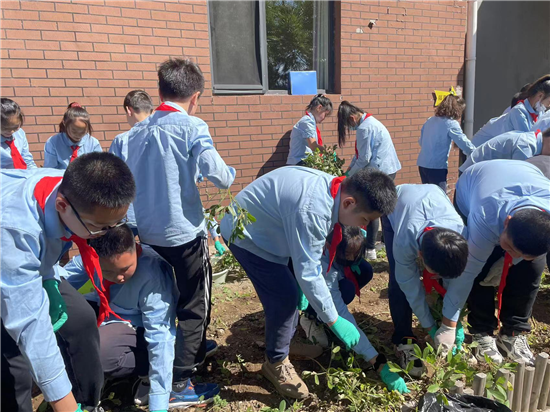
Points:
[(387, 57)]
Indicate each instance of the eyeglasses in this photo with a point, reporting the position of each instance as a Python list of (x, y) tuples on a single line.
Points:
[(98, 232)]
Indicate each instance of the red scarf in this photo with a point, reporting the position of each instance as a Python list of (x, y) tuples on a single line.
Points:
[(319, 139), (428, 278), (167, 108), (367, 115), (18, 162), (75, 152), (508, 262), (42, 191), (534, 116)]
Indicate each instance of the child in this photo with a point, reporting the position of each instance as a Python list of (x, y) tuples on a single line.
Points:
[(295, 209), (423, 225), (14, 150), (512, 145), (138, 106), (506, 205), (305, 136), (436, 138), (43, 210), (517, 97), (373, 148), (166, 156), (522, 116), (74, 139), (141, 289)]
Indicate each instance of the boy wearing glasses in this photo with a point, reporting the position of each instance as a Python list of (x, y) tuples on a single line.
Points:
[(53, 339)]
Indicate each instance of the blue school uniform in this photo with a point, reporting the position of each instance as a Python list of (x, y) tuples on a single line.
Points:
[(436, 138), (374, 148), (31, 246), (148, 300), (519, 118), (512, 145), (486, 194), (166, 154), (20, 141), (419, 207), (543, 123), (294, 213), (305, 129), (58, 149)]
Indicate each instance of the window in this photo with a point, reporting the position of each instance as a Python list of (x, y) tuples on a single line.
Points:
[(254, 44)]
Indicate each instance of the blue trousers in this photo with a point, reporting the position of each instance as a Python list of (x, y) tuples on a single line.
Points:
[(434, 176)]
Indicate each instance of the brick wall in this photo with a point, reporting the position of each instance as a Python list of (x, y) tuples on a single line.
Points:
[(94, 52)]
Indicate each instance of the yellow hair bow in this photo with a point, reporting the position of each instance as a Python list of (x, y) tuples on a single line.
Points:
[(439, 95)]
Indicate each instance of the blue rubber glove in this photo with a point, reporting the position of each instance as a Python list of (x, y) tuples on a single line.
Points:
[(58, 309), (219, 247), (433, 331), (302, 303), (393, 381), (346, 332)]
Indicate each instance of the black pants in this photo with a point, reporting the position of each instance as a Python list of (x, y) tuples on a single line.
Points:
[(78, 341), (434, 176), (123, 351), (194, 279), (374, 226), (518, 297)]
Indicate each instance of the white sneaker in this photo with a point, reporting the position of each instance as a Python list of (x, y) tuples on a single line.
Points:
[(141, 394), (314, 331), (516, 348), (405, 352), (371, 254), (486, 345)]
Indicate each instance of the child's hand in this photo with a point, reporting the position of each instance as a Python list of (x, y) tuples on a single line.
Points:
[(219, 248)]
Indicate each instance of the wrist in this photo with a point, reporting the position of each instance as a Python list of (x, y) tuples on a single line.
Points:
[(378, 362), (331, 324), (447, 322)]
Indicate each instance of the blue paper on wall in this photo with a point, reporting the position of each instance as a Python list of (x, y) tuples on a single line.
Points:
[(303, 83)]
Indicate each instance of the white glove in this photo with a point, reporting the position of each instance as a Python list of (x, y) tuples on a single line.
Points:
[(494, 275), (445, 336)]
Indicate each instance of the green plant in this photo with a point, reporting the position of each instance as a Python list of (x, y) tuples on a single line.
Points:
[(295, 407), (228, 261), (218, 404), (327, 162)]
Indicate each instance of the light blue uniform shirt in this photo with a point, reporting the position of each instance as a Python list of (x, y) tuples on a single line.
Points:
[(294, 213), (511, 145), (419, 207), (148, 300), (375, 148), (58, 150), (166, 155), (306, 128), (436, 138), (486, 194), (31, 246), (518, 118), (543, 123), (20, 141)]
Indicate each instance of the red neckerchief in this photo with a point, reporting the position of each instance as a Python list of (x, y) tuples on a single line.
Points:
[(18, 162), (428, 278), (167, 108), (75, 152), (337, 231), (42, 191), (348, 273), (319, 139), (534, 116), (507, 265), (367, 115)]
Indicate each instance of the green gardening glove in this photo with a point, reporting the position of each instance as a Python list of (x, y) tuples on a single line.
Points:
[(302, 300), (219, 247), (346, 174), (346, 331), (58, 309), (433, 331), (163, 410), (79, 409), (356, 269), (459, 337), (393, 381)]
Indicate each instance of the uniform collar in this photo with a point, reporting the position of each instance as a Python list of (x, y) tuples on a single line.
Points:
[(54, 227), (176, 106), (529, 107), (70, 143), (336, 208)]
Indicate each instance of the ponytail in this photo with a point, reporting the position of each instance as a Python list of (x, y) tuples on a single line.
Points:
[(541, 85), (75, 111), (345, 120), (321, 100)]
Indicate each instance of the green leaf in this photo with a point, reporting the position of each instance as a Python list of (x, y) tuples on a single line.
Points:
[(336, 349), (316, 379), (417, 351), (449, 356), (282, 406), (410, 365), (250, 217), (433, 388)]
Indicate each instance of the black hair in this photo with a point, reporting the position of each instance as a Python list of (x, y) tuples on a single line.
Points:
[(139, 101), (521, 95), (75, 112), (345, 120), (546, 133), (353, 238), (98, 179), (529, 231), (445, 252), (321, 100), (373, 190), (180, 79), (114, 242), (541, 85), (10, 109)]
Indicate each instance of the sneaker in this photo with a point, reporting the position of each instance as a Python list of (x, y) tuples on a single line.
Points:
[(191, 395), (486, 345), (302, 351), (285, 379), (141, 393), (315, 332), (371, 254), (516, 348), (211, 347), (405, 352)]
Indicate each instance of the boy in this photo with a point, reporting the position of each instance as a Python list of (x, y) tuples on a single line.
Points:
[(138, 106), (42, 211), (505, 204), (295, 209), (423, 225), (141, 288), (166, 154)]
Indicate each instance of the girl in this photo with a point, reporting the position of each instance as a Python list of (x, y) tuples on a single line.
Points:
[(436, 139), (14, 148), (373, 148), (305, 136), (74, 139), (522, 116)]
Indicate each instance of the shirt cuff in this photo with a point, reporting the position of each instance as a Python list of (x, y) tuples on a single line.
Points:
[(329, 315), (159, 401), (451, 312), (369, 354), (57, 388)]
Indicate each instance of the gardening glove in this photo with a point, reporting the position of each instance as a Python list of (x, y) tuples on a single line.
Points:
[(393, 381), (346, 332), (302, 300), (494, 275), (79, 409), (58, 309), (356, 269), (433, 331), (219, 247), (459, 338), (346, 174), (445, 336)]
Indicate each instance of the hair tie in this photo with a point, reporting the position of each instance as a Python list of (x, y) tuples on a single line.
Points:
[(74, 104)]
